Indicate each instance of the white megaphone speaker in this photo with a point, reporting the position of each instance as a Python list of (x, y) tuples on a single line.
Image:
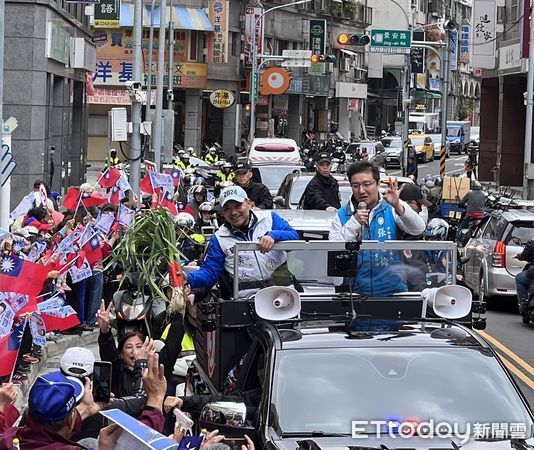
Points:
[(449, 302), (277, 303)]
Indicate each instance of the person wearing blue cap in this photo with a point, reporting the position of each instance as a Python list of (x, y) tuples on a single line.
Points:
[(53, 416)]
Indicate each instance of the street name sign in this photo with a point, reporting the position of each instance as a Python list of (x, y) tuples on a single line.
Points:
[(391, 41), (296, 58)]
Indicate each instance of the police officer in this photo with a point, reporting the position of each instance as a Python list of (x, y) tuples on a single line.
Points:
[(185, 162), (225, 173), (112, 159), (212, 158)]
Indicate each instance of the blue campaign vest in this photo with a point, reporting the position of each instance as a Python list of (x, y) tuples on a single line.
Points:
[(379, 271)]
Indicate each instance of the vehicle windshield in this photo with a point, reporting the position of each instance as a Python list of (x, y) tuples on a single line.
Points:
[(381, 272), (323, 390), (436, 138), (297, 190), (392, 143), (417, 141), (272, 176), (453, 131)]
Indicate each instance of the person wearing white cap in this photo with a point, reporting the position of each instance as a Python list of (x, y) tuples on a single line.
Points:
[(243, 224)]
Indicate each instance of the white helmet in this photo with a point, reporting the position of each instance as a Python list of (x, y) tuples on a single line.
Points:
[(213, 150), (437, 230), (190, 150), (181, 152), (206, 207), (184, 220)]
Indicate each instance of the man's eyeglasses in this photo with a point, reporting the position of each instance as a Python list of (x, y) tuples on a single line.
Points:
[(366, 185)]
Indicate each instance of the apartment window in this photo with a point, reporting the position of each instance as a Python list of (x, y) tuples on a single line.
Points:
[(236, 44), (514, 11)]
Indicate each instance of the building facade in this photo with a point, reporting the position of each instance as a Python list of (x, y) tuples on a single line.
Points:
[(48, 53)]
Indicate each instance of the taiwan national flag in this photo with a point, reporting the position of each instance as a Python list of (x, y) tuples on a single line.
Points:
[(22, 276), (92, 250), (9, 349), (176, 175), (146, 185), (93, 199), (109, 178), (115, 196), (72, 199), (167, 201), (60, 319)]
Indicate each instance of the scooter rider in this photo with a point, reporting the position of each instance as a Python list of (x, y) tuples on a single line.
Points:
[(523, 279), (212, 158)]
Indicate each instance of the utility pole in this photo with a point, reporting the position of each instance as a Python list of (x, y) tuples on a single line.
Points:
[(528, 185), (157, 129), (149, 71), (170, 92), (444, 100), (137, 74)]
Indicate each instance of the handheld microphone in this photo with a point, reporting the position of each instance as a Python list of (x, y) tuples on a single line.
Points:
[(362, 206)]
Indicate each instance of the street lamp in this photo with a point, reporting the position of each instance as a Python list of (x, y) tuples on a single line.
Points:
[(255, 76)]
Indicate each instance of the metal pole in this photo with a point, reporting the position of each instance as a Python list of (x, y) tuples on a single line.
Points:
[(137, 74), (149, 71), (170, 91), (527, 156), (5, 191), (158, 118), (405, 81), (255, 62), (444, 98)]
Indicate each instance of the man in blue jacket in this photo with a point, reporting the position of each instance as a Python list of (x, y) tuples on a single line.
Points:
[(243, 224), (371, 215)]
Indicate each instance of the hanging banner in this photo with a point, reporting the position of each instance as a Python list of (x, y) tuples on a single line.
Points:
[(107, 14), (252, 14), (218, 40), (453, 49), (484, 22), (464, 43)]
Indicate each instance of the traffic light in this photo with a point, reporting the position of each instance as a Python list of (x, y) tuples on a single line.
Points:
[(353, 39), (323, 58)]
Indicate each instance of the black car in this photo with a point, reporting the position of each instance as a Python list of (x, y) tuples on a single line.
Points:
[(317, 380)]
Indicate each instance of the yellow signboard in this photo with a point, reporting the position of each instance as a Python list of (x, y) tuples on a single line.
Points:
[(222, 98)]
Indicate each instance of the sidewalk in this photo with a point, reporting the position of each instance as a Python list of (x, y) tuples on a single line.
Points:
[(52, 354)]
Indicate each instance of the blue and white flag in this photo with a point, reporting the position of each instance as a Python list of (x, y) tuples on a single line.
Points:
[(23, 207), (104, 222), (123, 183), (36, 251), (38, 329), (80, 273), (138, 435), (51, 303), (126, 215), (160, 180)]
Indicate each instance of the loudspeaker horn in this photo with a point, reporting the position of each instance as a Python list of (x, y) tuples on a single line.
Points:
[(277, 303), (449, 302)]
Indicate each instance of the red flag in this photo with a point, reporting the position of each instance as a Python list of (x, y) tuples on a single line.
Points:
[(176, 175), (93, 199), (109, 178), (71, 199), (22, 276), (167, 201), (60, 323), (115, 196), (146, 185), (9, 349), (92, 250)]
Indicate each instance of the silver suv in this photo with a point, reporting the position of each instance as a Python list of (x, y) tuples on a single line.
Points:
[(491, 268)]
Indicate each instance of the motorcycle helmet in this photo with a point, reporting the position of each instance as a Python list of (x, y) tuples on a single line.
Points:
[(213, 150), (436, 230), (188, 179), (226, 165), (206, 207), (198, 239), (475, 185), (190, 150), (186, 156), (181, 152), (198, 189), (184, 220), (200, 181), (429, 184), (438, 181)]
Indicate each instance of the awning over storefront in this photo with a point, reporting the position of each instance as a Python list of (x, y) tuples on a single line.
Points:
[(427, 94), (183, 18)]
